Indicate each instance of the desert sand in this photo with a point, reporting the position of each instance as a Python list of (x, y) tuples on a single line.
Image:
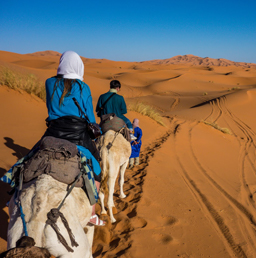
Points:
[(193, 193)]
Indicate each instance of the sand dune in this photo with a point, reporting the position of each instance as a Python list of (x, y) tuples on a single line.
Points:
[(206, 61), (46, 53), (34, 63), (193, 195)]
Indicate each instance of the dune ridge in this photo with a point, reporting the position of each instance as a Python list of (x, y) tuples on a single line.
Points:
[(46, 53), (205, 61), (193, 194)]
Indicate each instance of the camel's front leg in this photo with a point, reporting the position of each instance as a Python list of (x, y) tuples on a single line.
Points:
[(90, 235), (101, 196), (121, 179), (15, 226)]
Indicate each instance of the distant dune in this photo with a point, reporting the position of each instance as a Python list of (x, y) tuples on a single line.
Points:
[(46, 53), (194, 192), (206, 61), (179, 59)]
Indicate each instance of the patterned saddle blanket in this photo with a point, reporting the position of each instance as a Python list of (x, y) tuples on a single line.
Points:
[(58, 158)]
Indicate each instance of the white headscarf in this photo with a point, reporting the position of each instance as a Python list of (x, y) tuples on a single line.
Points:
[(71, 66)]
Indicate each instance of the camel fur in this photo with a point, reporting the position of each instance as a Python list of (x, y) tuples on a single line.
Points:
[(37, 198), (114, 159)]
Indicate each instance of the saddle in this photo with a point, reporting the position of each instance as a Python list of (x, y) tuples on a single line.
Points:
[(60, 159), (55, 157), (113, 122)]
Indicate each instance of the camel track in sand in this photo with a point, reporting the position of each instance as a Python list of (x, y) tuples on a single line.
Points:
[(217, 203), (115, 238), (246, 142), (200, 181), (200, 189)]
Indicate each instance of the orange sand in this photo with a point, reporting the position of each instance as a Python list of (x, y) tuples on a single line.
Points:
[(193, 193)]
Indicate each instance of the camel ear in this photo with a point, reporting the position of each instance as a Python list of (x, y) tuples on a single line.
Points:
[(25, 241)]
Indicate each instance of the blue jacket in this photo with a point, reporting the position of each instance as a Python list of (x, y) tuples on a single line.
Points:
[(68, 108), (114, 105), (136, 148)]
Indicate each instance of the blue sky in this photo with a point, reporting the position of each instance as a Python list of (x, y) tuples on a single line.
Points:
[(131, 30)]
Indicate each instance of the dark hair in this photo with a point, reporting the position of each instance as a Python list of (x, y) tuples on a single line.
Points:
[(115, 84)]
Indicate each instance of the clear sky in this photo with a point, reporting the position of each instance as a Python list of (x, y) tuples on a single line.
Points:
[(131, 30)]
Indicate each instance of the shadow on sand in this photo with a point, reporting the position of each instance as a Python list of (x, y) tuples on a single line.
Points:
[(5, 197), (19, 152)]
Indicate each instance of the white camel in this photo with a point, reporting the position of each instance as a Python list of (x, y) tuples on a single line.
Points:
[(38, 197), (114, 159)]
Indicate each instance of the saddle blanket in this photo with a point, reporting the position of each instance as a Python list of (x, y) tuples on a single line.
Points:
[(57, 158)]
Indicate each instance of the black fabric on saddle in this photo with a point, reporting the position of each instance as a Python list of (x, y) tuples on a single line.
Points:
[(55, 157), (113, 122), (73, 129)]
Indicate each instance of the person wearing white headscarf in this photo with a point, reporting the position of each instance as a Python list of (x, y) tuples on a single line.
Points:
[(136, 145), (59, 96), (60, 91), (71, 66)]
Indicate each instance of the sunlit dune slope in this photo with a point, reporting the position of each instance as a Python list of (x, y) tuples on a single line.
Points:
[(141, 78), (198, 61)]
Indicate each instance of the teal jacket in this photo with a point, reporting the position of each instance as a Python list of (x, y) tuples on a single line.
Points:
[(114, 105)]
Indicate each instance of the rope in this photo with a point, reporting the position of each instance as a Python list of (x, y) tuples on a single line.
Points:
[(55, 213), (52, 215), (22, 215), (69, 190), (110, 144), (18, 203)]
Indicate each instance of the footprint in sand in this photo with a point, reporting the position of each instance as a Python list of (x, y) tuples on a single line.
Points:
[(163, 238), (121, 206), (138, 222), (165, 220), (133, 198), (123, 226), (114, 243), (128, 187), (169, 220)]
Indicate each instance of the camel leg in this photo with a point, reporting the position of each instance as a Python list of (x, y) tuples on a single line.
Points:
[(15, 232), (15, 226), (90, 235), (121, 179), (101, 196), (111, 186)]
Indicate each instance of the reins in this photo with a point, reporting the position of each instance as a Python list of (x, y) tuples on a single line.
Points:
[(110, 144), (18, 203), (55, 213)]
